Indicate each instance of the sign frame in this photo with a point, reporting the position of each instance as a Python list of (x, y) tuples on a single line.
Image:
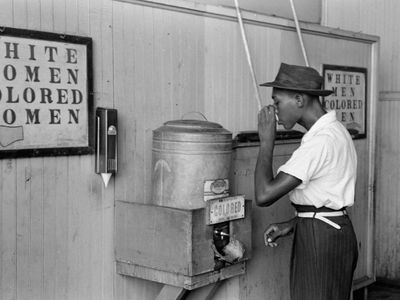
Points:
[(361, 71), (53, 150)]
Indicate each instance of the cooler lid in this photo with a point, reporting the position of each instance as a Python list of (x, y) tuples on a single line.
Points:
[(192, 126), (192, 130)]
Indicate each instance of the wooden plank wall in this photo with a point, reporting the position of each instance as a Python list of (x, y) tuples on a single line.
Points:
[(381, 18), (153, 65), (56, 219), (183, 62)]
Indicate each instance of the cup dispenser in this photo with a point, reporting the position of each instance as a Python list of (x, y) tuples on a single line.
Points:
[(106, 143)]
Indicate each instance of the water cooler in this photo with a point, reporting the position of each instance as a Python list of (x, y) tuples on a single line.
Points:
[(195, 231)]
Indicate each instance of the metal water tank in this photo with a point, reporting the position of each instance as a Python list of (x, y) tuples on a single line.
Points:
[(190, 158)]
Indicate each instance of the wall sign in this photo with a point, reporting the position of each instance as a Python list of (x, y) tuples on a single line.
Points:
[(349, 98), (45, 94)]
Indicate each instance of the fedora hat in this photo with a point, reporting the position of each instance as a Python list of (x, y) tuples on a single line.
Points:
[(299, 78)]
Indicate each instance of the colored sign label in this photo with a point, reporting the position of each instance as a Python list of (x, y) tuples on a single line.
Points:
[(226, 209)]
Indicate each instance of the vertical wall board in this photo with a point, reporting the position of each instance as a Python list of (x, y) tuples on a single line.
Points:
[(391, 29), (83, 20), (86, 248), (19, 13), (49, 230), (232, 46), (71, 8), (101, 17), (164, 79), (291, 50), (216, 94), (106, 281), (181, 60), (124, 90), (32, 11), (143, 62), (86, 210), (395, 44), (50, 250), (337, 12), (78, 198), (76, 254), (8, 220), (387, 208), (59, 280), (129, 58), (129, 98), (150, 103), (34, 183), (59, 14), (102, 199), (24, 287), (199, 82), (235, 55), (269, 56), (6, 13), (34, 188), (46, 15)]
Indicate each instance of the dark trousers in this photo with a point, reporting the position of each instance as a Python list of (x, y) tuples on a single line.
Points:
[(323, 258)]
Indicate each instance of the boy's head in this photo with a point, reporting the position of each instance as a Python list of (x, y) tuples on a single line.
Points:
[(296, 89), (291, 106)]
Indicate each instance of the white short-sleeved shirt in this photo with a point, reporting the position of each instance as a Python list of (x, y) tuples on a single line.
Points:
[(326, 163)]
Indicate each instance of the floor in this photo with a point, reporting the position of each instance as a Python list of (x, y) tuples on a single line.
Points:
[(379, 291)]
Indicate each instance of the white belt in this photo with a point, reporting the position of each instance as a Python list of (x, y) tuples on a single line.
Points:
[(321, 216)]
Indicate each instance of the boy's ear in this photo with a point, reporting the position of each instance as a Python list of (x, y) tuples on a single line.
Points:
[(299, 100)]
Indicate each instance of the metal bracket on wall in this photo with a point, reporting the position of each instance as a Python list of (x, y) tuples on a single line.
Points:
[(169, 292)]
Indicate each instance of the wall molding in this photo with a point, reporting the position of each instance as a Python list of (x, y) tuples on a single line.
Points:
[(249, 17), (389, 96)]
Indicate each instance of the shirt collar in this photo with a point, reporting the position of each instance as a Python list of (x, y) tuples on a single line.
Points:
[(326, 119)]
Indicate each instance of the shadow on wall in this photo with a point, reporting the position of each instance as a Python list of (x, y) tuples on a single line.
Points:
[(379, 290)]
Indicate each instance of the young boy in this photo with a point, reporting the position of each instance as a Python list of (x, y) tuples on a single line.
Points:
[(320, 178)]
